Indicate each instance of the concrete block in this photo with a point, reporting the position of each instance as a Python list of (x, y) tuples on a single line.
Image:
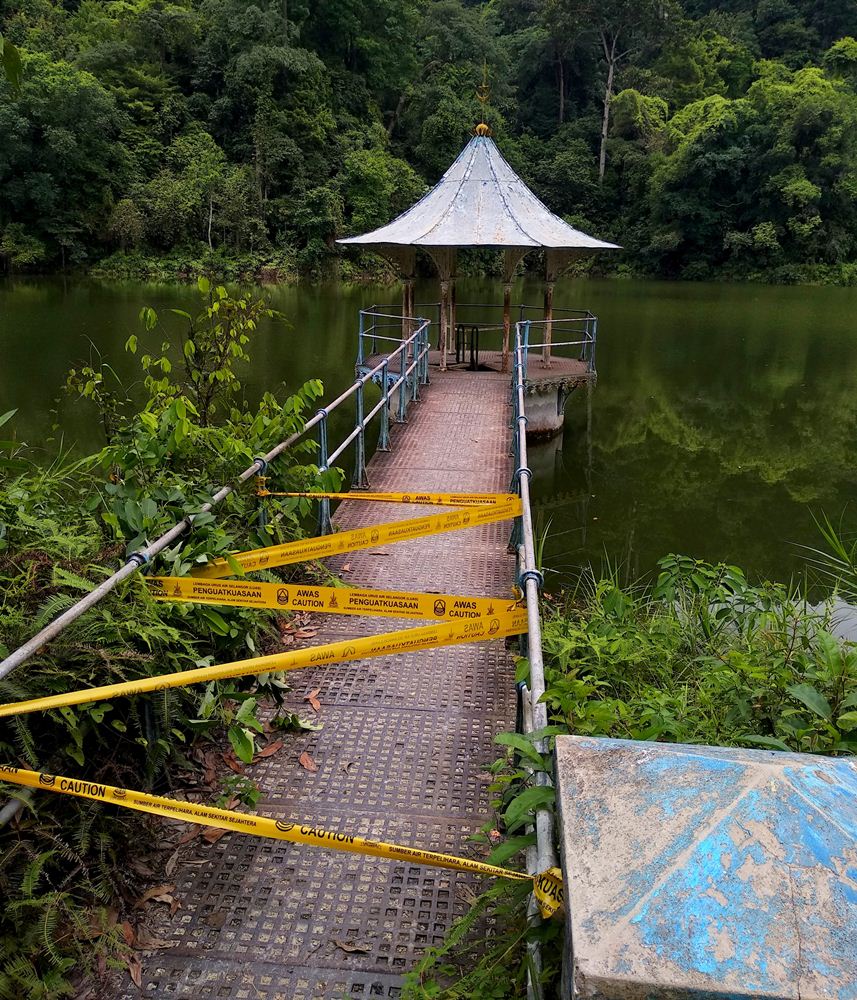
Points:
[(694, 871)]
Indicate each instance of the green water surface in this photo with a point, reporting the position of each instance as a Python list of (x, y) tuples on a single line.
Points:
[(724, 417)]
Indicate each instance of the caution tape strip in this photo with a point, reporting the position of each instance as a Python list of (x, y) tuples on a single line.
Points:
[(333, 600), (411, 639), (361, 538), (547, 886), (433, 499)]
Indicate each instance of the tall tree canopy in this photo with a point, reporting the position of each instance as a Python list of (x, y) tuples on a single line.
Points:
[(710, 139)]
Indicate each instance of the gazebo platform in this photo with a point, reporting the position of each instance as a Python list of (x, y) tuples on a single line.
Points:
[(567, 371)]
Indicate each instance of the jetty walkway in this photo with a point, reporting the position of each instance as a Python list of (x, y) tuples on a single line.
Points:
[(402, 757)]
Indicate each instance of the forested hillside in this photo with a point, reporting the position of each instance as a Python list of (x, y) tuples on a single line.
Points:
[(710, 139)]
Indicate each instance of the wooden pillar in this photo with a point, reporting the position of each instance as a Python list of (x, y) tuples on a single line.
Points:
[(507, 323), (444, 322), (548, 317)]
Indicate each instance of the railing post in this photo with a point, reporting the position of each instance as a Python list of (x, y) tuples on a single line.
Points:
[(324, 525), (593, 342), (426, 349), (415, 374), (526, 345), (403, 384), (360, 481), (384, 436), (360, 339)]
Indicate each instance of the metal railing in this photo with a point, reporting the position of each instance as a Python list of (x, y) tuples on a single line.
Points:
[(578, 327), (414, 349), (534, 714), (585, 342)]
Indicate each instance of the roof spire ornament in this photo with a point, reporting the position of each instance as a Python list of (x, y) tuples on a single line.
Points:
[(483, 95)]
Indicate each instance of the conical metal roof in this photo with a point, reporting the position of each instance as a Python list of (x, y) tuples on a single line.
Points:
[(480, 202)]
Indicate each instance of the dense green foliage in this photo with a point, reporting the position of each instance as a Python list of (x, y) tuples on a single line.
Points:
[(63, 526), (702, 656), (709, 139)]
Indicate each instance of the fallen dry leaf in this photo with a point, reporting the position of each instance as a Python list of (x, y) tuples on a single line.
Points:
[(129, 934), (494, 836), (231, 762), (269, 750), (210, 772), (189, 835), (346, 568), (216, 919), (312, 698), (351, 946), (175, 906), (172, 861), (141, 869), (135, 970), (212, 834), (153, 893), (146, 941), (346, 767), (307, 762), (306, 633)]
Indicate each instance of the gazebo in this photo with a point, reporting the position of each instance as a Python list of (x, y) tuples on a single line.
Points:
[(479, 202)]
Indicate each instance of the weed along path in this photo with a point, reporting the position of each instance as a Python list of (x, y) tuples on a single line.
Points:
[(402, 755)]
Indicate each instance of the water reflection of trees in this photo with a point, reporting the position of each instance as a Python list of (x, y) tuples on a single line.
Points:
[(722, 449)]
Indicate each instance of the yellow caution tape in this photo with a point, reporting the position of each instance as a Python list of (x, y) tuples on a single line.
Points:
[(424, 637), (547, 887), (333, 600), (362, 538), (434, 499)]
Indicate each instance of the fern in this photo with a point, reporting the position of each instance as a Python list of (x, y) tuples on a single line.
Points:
[(65, 578)]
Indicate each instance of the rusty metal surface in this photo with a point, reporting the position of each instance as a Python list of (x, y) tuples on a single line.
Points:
[(480, 202), (695, 871), (402, 756)]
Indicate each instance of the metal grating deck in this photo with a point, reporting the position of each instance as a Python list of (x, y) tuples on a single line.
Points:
[(402, 757)]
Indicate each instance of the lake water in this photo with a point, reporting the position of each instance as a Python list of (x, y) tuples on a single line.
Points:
[(724, 418)]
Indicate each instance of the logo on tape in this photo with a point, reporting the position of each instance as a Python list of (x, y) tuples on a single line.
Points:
[(119, 793), (283, 826), (282, 596), (48, 780), (439, 607)]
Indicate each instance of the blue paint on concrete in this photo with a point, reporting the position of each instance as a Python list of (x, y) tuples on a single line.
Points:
[(739, 871)]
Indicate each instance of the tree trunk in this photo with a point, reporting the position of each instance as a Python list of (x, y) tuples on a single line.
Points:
[(210, 219), (610, 55), (561, 76)]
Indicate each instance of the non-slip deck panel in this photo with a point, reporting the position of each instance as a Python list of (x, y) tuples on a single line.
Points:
[(403, 756)]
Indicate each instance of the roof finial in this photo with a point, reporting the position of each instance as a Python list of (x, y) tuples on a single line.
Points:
[(483, 95)]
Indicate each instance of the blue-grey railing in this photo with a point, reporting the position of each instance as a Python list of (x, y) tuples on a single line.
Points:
[(576, 328), (534, 714), (403, 370), (583, 329), (413, 348)]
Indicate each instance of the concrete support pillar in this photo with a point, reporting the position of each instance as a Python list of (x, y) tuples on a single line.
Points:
[(548, 327), (444, 322), (511, 259), (407, 307), (452, 311), (507, 323)]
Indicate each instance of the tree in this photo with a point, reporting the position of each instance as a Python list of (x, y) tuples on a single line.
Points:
[(60, 161), (621, 29)]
